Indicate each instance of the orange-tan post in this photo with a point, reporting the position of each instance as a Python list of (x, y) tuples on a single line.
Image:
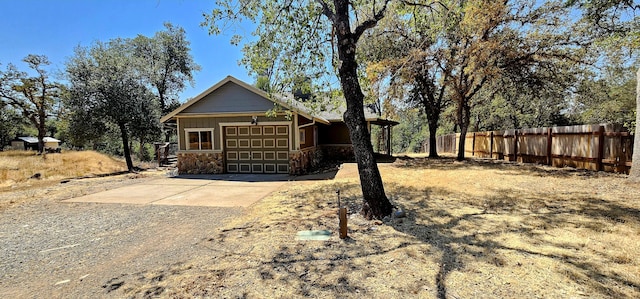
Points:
[(343, 223)]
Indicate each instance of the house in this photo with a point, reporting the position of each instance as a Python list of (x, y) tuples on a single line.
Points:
[(31, 143), (228, 129)]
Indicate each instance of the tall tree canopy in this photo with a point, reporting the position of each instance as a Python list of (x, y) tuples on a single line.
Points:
[(153, 71), (469, 52), (615, 24), (105, 88), (33, 96), (318, 40), (166, 63)]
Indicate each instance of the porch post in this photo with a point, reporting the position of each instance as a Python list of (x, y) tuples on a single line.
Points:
[(389, 140)]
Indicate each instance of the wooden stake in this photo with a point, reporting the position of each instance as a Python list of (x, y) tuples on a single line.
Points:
[(343, 223)]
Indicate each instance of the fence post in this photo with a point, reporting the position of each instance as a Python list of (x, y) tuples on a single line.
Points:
[(473, 144), (549, 147), (599, 164), (515, 145), (491, 145)]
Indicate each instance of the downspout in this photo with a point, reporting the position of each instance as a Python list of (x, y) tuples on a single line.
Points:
[(313, 122)]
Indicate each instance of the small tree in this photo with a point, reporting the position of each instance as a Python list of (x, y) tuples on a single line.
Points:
[(34, 97)]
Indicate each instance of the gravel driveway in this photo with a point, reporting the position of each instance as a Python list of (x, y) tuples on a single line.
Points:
[(83, 250)]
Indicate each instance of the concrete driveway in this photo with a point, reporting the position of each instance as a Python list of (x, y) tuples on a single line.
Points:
[(226, 190)]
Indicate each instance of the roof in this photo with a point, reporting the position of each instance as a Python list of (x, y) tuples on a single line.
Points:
[(325, 116), (272, 97), (35, 139)]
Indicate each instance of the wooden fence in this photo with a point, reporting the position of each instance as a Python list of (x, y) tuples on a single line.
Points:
[(594, 147)]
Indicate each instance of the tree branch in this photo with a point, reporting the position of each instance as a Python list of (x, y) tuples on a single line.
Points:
[(370, 23), (327, 11)]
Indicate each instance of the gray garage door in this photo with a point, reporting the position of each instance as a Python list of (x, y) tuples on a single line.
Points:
[(257, 149)]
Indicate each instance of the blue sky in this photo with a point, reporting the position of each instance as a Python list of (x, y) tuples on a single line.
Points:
[(55, 28)]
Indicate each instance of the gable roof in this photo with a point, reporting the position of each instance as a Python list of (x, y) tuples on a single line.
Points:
[(272, 97), (286, 101)]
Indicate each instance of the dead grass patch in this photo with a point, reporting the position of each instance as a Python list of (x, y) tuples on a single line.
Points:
[(20, 184), (18, 167), (476, 229)]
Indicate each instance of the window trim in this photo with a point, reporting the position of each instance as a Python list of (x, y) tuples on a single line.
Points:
[(303, 136), (199, 130)]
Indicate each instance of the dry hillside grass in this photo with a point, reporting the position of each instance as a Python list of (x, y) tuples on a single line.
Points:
[(26, 171), (18, 167), (476, 229), (62, 175)]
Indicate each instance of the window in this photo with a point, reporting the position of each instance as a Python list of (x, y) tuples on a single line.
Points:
[(199, 139), (303, 136)]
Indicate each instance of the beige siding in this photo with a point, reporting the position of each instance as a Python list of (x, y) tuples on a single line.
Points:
[(230, 97), (214, 122)]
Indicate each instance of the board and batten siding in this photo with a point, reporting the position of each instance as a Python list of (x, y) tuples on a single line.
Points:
[(214, 122), (230, 98)]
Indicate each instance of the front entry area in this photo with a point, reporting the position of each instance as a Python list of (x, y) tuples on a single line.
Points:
[(256, 149)]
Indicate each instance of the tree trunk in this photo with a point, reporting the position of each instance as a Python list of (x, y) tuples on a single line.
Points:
[(141, 150), (376, 204), (634, 173), (125, 146), (463, 119), (433, 130), (42, 130)]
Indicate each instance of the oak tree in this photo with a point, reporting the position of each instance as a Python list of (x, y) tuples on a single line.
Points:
[(616, 24), (106, 89), (33, 96), (318, 39)]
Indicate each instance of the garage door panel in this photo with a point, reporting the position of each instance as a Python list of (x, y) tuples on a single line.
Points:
[(282, 143), (283, 168), (244, 167), (269, 168), (232, 156), (256, 131), (257, 149), (256, 168), (244, 143), (232, 167)]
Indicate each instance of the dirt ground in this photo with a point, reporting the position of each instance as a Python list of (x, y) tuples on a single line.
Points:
[(54, 249), (474, 229)]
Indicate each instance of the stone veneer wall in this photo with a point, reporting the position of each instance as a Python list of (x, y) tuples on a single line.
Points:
[(300, 162), (200, 163)]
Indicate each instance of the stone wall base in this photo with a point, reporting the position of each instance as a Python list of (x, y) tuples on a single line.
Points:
[(300, 162), (200, 163)]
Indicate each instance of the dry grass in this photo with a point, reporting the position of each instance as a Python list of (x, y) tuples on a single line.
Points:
[(17, 168), (476, 229)]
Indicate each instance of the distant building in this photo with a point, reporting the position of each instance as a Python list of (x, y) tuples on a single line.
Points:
[(31, 143)]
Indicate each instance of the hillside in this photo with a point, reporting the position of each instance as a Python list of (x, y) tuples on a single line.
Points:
[(25, 168)]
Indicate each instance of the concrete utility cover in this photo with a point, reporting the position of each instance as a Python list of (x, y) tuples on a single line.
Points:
[(229, 190)]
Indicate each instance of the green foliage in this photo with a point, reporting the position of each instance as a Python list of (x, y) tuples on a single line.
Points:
[(608, 99), (165, 63), (32, 96), (11, 125), (106, 89), (410, 134)]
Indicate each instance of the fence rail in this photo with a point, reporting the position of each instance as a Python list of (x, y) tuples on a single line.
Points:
[(594, 147)]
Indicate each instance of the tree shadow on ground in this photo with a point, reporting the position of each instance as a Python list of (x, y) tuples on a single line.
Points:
[(430, 220), (511, 168), (452, 230)]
